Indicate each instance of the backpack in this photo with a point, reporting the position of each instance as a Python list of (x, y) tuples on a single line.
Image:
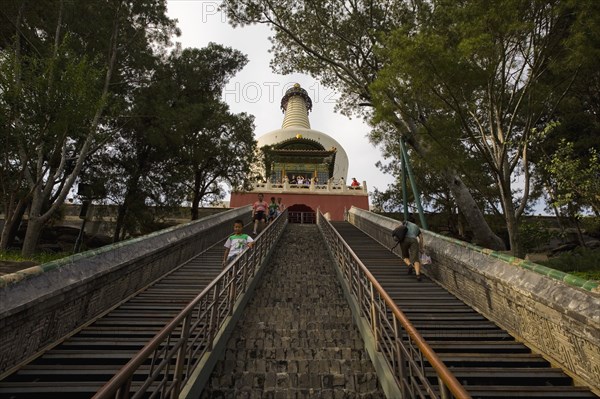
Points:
[(400, 232)]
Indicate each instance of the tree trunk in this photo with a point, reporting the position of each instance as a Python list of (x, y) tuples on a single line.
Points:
[(461, 225), (34, 229), (195, 205), (119, 223), (482, 233), (5, 235), (510, 214), (129, 200), (35, 222), (11, 230), (42, 192), (10, 217), (513, 233), (122, 211), (10, 220), (580, 237), (196, 196), (578, 231)]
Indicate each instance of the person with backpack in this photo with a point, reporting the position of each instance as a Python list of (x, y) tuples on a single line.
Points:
[(410, 238)]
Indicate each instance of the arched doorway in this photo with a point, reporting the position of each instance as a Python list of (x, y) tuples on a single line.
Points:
[(300, 213)]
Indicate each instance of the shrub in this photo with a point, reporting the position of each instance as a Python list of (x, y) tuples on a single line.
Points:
[(40, 257), (582, 262), (534, 234)]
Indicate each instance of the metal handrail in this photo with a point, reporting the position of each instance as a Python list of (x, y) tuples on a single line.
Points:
[(404, 350), (164, 365)]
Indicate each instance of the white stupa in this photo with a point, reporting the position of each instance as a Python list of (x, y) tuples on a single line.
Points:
[(296, 104)]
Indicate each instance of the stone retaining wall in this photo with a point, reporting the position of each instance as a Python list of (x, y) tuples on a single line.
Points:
[(555, 314), (41, 305)]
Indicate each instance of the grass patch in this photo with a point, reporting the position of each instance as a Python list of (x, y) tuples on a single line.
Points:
[(582, 262), (41, 257)]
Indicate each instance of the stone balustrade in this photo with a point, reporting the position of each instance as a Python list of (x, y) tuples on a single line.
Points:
[(327, 188)]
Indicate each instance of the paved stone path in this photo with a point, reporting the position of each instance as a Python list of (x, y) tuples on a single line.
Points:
[(296, 338)]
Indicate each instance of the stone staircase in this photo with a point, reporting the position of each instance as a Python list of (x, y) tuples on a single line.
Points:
[(296, 338)]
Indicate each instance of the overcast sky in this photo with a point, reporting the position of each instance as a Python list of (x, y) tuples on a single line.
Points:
[(258, 91)]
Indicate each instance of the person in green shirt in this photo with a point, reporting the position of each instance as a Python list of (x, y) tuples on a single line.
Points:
[(273, 210), (236, 243)]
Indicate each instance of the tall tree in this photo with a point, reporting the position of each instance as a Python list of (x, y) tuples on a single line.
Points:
[(575, 180), (578, 115), (451, 77), (336, 42), (50, 96), (216, 146), (220, 153), (71, 67), (479, 66), (180, 141)]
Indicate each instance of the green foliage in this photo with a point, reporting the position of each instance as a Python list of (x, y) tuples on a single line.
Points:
[(534, 234), (40, 257), (181, 142), (389, 200), (591, 225), (582, 262), (576, 179), (457, 76), (66, 66), (54, 98), (96, 87)]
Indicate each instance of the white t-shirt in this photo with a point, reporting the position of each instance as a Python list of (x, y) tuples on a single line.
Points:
[(237, 244)]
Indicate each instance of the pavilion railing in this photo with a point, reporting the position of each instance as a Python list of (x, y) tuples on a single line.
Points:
[(323, 188)]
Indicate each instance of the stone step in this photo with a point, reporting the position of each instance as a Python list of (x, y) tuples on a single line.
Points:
[(288, 318), (269, 311), (305, 303), (324, 366), (290, 393), (296, 338), (271, 381), (300, 325), (296, 353), (288, 342), (274, 332)]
